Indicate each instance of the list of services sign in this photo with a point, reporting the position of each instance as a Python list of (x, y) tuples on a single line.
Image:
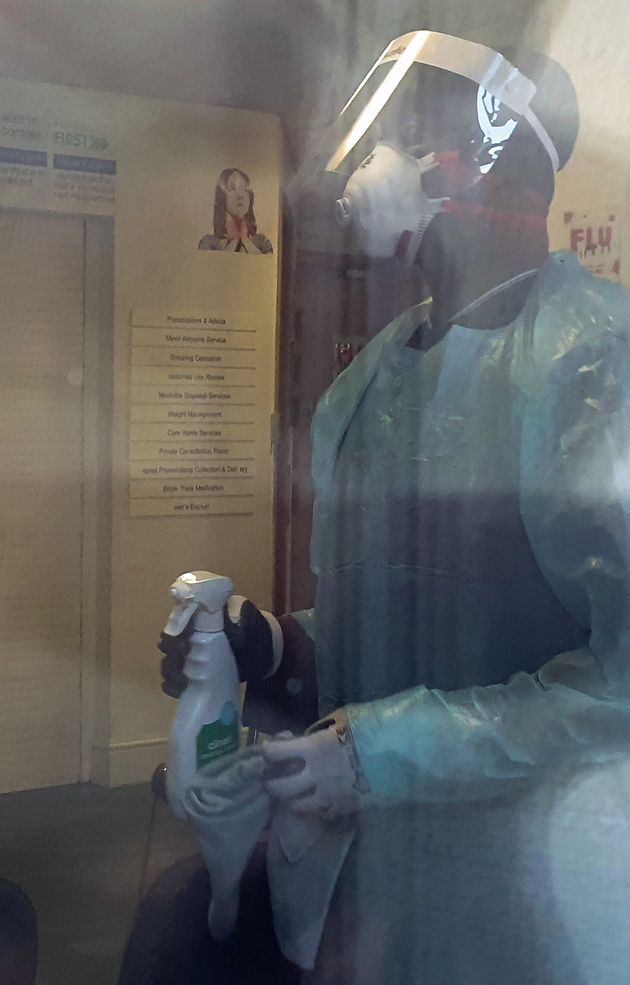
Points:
[(192, 441)]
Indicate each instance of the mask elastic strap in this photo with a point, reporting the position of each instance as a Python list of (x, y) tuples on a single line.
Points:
[(497, 289), (409, 242)]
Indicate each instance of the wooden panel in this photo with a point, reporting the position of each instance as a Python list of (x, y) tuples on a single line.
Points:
[(41, 362)]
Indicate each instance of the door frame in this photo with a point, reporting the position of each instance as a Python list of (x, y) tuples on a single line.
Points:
[(98, 353), (96, 467)]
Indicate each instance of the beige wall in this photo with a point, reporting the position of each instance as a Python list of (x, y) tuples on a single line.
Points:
[(169, 156), (592, 41)]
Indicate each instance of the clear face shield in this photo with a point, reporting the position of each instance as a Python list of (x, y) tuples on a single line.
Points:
[(430, 119)]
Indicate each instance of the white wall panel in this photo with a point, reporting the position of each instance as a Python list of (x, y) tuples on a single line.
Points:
[(41, 361)]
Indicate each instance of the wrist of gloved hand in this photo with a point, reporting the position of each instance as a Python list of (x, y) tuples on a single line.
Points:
[(319, 773), (254, 636)]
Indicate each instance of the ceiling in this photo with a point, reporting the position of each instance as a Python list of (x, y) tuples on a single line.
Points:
[(236, 53), (295, 58)]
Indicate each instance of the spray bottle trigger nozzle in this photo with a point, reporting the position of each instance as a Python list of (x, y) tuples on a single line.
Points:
[(180, 616)]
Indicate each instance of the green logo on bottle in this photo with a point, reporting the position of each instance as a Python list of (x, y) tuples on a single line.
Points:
[(218, 738)]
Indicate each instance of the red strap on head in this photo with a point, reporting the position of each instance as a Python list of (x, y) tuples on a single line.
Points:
[(448, 161), (495, 216), (530, 211)]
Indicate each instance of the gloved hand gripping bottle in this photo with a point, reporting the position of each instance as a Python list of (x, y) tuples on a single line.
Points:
[(208, 722)]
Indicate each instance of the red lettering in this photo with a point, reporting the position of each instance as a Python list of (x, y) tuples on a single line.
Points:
[(577, 235), (604, 237), (590, 242)]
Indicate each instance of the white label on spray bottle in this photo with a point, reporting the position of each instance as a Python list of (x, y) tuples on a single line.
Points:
[(218, 738)]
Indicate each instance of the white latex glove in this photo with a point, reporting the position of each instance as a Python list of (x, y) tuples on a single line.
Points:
[(319, 773)]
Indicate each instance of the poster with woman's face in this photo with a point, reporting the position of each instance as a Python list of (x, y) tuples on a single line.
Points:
[(235, 229)]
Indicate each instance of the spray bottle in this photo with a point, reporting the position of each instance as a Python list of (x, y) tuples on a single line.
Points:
[(207, 724)]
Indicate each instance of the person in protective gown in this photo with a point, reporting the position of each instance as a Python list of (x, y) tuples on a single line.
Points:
[(458, 813)]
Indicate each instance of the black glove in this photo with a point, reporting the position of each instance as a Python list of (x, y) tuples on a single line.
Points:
[(175, 650), (249, 636)]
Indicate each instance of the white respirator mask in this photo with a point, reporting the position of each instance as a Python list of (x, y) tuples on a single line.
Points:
[(403, 99), (386, 204)]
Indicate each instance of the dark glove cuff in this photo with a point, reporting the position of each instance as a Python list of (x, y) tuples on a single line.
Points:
[(251, 641), (288, 699)]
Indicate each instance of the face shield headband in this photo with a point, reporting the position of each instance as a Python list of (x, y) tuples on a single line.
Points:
[(498, 80)]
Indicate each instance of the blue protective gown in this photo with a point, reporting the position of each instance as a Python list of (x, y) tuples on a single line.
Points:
[(471, 544)]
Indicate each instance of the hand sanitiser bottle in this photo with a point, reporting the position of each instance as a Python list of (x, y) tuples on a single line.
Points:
[(207, 724)]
